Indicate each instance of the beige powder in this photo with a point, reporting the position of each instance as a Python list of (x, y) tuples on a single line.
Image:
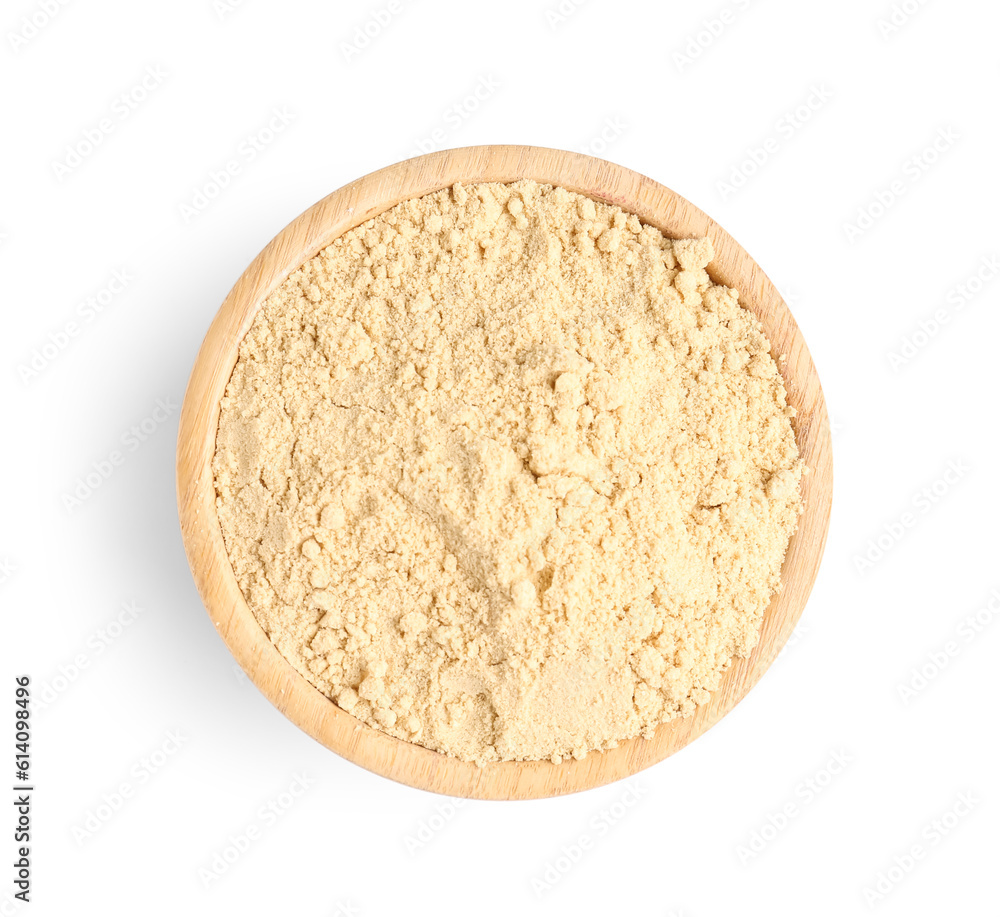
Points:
[(504, 473)]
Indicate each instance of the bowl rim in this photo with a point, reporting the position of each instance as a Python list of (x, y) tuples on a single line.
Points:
[(312, 231)]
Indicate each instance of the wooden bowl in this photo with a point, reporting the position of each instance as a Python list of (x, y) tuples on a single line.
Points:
[(303, 238)]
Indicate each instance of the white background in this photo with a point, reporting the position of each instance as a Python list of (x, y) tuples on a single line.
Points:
[(880, 98)]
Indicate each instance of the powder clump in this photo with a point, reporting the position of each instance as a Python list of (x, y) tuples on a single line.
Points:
[(502, 472)]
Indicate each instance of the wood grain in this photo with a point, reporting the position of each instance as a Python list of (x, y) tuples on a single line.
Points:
[(314, 230)]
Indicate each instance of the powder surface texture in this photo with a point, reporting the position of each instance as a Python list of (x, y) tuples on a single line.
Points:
[(503, 473)]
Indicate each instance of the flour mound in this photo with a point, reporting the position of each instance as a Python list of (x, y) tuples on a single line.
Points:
[(503, 473)]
